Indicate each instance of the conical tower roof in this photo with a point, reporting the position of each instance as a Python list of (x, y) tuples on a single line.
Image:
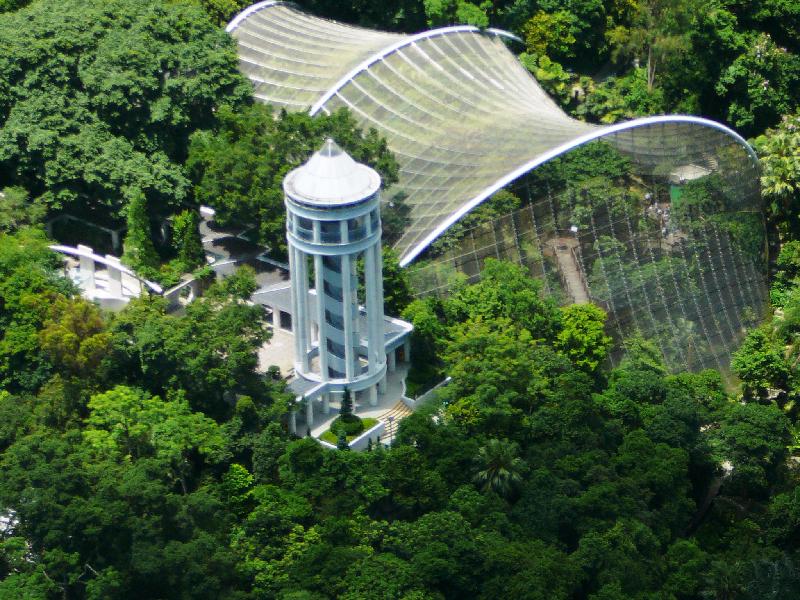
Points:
[(331, 178)]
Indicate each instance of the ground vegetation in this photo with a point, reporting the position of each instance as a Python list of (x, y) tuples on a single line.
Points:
[(142, 455)]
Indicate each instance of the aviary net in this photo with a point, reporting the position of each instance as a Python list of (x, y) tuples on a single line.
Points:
[(667, 235), (672, 244)]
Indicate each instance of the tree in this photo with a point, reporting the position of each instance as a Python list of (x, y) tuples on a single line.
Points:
[(187, 240), (18, 210), (139, 252), (210, 352), (499, 467), (237, 168), (498, 375), (221, 11), (397, 290), (380, 577), (582, 337), (426, 338), (657, 32), (779, 155), (129, 422), (753, 437), (9, 5), (760, 365), (759, 85), (505, 290), (100, 97), (446, 12), (550, 34), (622, 556), (75, 339), (30, 284), (346, 410)]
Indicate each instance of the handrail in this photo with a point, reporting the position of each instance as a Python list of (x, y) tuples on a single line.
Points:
[(108, 263)]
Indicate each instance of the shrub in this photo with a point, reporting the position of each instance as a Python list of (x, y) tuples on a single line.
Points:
[(350, 425), (332, 435)]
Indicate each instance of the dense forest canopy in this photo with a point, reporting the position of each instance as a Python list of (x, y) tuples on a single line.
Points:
[(142, 455)]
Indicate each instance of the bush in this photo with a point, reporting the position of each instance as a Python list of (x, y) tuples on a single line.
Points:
[(350, 425), (332, 435)]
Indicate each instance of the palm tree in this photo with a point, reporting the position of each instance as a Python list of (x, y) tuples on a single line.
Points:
[(499, 467)]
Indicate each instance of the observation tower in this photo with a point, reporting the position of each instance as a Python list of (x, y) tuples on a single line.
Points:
[(333, 219)]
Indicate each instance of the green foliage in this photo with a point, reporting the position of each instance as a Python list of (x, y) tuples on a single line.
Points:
[(139, 254), (186, 239), (555, 80), (550, 34), (11, 5), (238, 167), (760, 364), (146, 446), (346, 408), (142, 456), (582, 337), (754, 438), (210, 352), (499, 467), (99, 99), (222, 11), (350, 424), (506, 291), (18, 210), (786, 273), (760, 85), (498, 205), (619, 98), (779, 156), (30, 283), (447, 12), (397, 290), (393, 15), (658, 31), (74, 338), (427, 336)]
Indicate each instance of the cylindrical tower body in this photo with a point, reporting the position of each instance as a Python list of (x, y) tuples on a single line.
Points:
[(333, 221)]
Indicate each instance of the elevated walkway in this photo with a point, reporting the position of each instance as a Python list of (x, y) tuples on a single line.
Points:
[(564, 249)]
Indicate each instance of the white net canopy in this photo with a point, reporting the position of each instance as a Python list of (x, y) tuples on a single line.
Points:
[(673, 248)]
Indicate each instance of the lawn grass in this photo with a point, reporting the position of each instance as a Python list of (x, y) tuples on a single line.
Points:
[(330, 437)]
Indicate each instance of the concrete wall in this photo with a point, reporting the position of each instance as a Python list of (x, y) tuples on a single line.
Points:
[(183, 293), (360, 443)]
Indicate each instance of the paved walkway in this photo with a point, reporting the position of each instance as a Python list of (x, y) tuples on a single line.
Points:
[(570, 270), (279, 350), (395, 390)]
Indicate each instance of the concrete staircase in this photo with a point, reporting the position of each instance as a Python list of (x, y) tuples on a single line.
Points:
[(398, 412)]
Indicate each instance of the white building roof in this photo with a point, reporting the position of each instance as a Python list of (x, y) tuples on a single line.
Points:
[(331, 178)]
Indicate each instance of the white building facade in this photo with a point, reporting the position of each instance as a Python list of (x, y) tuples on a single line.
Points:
[(333, 225)]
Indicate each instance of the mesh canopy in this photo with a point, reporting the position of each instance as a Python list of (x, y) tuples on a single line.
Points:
[(459, 112), (293, 58), (673, 249)]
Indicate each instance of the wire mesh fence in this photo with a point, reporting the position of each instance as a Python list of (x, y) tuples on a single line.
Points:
[(674, 251)]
